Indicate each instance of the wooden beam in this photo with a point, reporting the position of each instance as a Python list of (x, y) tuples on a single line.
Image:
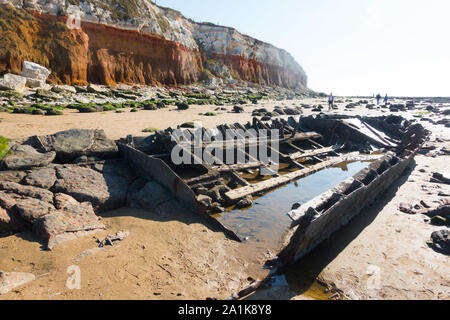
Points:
[(311, 153), (238, 194)]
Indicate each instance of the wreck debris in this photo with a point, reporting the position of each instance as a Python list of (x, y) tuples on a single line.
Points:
[(110, 239), (440, 178)]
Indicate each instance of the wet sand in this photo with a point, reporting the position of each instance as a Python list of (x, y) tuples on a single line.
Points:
[(161, 257)]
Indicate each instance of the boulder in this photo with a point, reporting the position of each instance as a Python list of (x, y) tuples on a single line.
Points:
[(406, 208), (12, 176), (93, 88), (31, 209), (105, 191), (12, 280), (238, 109), (440, 241), (72, 220), (149, 197), (182, 106), (10, 222), (22, 157), (34, 71), (35, 83), (42, 178), (64, 89), (13, 82), (245, 203), (72, 144), (443, 211), (15, 190), (204, 200)]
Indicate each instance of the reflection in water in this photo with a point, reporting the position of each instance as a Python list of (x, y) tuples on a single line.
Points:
[(266, 222)]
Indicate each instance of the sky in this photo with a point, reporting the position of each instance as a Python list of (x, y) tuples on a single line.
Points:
[(348, 47)]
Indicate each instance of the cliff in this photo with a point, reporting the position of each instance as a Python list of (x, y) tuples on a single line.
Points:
[(133, 41)]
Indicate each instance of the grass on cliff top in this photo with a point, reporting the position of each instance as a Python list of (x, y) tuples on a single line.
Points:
[(4, 147)]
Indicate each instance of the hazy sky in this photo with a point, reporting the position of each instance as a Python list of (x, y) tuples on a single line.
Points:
[(349, 47)]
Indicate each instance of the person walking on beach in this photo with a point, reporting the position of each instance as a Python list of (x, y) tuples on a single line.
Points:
[(386, 99), (378, 99), (330, 102)]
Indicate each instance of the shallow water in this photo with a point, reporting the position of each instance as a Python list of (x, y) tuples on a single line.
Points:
[(266, 221)]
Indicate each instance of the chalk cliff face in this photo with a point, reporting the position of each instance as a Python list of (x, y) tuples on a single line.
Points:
[(133, 41)]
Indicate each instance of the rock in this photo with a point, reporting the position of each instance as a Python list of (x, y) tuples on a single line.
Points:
[(10, 222), (64, 89), (443, 211), (12, 176), (149, 196), (6, 201), (182, 106), (440, 178), (42, 178), (15, 190), (245, 203), (150, 106), (406, 208), (205, 200), (39, 112), (34, 71), (23, 157), (291, 112), (438, 221), (295, 206), (35, 83), (216, 208), (13, 82), (425, 204), (238, 109), (105, 191), (93, 88), (72, 144), (31, 209), (90, 109), (72, 220), (440, 241), (12, 280)]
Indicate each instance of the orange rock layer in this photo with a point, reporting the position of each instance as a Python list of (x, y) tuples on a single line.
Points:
[(107, 55)]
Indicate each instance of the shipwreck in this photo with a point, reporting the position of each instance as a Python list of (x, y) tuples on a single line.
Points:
[(58, 185)]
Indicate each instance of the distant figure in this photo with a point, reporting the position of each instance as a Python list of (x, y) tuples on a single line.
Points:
[(330, 102), (386, 99), (378, 99)]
